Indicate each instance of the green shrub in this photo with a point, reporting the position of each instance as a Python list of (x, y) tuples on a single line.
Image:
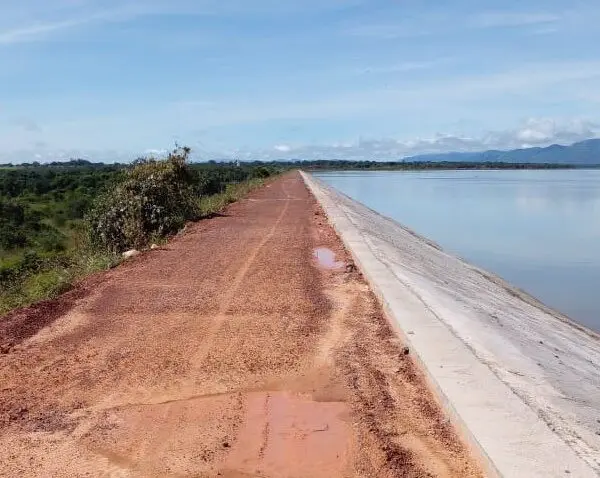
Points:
[(155, 198), (261, 172), (47, 284)]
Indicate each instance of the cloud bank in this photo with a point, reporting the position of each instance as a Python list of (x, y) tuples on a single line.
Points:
[(533, 132)]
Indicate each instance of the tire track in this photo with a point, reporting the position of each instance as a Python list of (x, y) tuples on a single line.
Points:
[(225, 303)]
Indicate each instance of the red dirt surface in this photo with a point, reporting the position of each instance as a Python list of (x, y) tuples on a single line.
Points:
[(230, 352)]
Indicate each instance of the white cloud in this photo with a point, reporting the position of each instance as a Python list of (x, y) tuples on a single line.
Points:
[(43, 155), (544, 30), (155, 152), (29, 33), (39, 31), (405, 67), (529, 136), (387, 31), (533, 132), (511, 19), (438, 22), (413, 98), (37, 20), (543, 131)]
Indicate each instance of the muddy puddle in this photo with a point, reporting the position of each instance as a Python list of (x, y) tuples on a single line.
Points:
[(326, 258)]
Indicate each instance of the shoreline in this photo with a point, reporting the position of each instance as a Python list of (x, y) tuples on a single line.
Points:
[(534, 279), (517, 344), (489, 275)]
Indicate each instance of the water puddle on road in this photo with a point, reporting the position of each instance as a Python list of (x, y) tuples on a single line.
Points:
[(326, 258), (283, 434)]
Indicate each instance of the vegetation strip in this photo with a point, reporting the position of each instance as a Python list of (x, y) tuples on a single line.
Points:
[(62, 222)]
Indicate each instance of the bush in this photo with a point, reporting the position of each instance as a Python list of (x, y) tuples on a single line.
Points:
[(49, 283), (155, 198), (261, 172), (15, 225)]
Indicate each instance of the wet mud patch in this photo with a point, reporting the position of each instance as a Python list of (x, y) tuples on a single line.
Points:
[(298, 437), (325, 258)]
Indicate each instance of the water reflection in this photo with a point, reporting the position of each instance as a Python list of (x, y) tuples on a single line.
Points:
[(326, 258), (537, 229)]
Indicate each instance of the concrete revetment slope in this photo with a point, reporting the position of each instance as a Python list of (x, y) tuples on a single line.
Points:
[(519, 380)]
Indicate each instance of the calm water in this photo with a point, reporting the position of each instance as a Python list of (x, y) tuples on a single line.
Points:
[(540, 230)]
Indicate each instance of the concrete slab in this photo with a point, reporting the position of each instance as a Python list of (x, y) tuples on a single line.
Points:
[(519, 380)]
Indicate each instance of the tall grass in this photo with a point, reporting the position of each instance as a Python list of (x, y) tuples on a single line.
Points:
[(53, 278), (209, 205)]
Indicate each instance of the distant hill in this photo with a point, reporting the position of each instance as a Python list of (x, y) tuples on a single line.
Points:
[(584, 153)]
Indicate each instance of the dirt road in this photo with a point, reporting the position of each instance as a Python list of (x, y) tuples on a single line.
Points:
[(234, 351)]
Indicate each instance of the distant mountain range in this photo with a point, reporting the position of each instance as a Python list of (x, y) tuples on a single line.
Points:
[(584, 153)]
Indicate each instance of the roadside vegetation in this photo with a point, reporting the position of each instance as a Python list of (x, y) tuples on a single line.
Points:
[(212, 204), (63, 221)]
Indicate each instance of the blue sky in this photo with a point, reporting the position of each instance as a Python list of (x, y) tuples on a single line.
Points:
[(372, 79)]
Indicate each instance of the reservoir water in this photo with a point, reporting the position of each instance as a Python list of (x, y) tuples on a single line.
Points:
[(539, 230)]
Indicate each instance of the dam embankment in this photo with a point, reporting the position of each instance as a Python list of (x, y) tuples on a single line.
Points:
[(519, 379)]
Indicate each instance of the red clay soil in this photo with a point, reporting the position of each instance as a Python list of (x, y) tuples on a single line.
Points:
[(230, 352)]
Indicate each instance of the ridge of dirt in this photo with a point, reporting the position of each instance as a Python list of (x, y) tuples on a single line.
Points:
[(20, 324), (230, 352)]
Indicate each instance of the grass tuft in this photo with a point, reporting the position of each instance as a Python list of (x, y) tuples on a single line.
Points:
[(215, 203)]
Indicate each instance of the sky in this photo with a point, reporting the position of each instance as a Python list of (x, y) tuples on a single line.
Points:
[(112, 80)]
